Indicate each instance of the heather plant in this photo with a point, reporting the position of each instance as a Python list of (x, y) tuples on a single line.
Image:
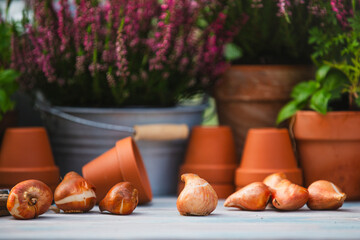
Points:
[(276, 32), (123, 52), (336, 44)]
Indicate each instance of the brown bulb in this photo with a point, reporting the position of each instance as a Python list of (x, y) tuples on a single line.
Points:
[(254, 196), (324, 195), (121, 199), (289, 196), (272, 180), (74, 194), (197, 198), (29, 199)]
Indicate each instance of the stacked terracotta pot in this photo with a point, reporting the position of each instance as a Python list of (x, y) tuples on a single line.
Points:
[(211, 155)]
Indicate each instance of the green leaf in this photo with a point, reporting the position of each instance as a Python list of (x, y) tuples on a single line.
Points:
[(3, 100), (287, 111), (334, 83), (322, 72), (319, 101), (304, 90), (232, 52)]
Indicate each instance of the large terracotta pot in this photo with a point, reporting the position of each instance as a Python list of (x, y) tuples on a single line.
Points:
[(267, 151), (250, 96), (329, 148)]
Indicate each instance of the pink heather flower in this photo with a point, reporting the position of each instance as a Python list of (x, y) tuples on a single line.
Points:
[(80, 65), (110, 79), (65, 24), (283, 6), (121, 61), (257, 4), (340, 11)]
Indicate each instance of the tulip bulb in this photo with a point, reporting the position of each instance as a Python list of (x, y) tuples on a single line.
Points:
[(289, 196), (121, 199), (75, 194), (324, 195), (272, 180), (254, 196), (197, 198), (29, 199)]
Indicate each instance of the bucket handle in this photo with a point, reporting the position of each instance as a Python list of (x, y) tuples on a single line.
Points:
[(157, 132)]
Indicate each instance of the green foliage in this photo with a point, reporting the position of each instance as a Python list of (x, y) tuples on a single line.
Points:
[(8, 76), (272, 37), (8, 86), (232, 52), (337, 53)]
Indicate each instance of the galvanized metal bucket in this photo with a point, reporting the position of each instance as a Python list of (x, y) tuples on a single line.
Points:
[(75, 143)]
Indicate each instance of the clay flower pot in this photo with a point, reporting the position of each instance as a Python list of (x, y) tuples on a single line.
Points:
[(267, 151), (211, 155), (329, 148), (119, 164), (26, 154), (250, 96)]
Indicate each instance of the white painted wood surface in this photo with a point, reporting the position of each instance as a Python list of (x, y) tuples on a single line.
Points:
[(160, 220)]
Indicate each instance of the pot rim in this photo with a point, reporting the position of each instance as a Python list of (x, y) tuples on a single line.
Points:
[(331, 113), (272, 66), (176, 109)]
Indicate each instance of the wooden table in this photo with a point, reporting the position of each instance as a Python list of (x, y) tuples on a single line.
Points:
[(160, 220)]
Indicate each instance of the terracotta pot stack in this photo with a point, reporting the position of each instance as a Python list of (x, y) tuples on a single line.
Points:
[(211, 155), (267, 151), (26, 154), (121, 163)]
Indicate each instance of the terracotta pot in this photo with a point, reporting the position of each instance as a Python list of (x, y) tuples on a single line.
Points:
[(26, 154), (121, 163), (250, 96), (267, 151), (329, 148), (218, 174), (211, 155), (222, 190), (211, 145)]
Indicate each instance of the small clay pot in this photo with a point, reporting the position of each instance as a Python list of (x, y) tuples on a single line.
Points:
[(267, 151), (26, 154), (222, 190), (211, 155), (119, 164), (211, 145)]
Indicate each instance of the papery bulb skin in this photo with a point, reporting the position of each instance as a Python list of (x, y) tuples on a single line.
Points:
[(273, 179), (253, 197), (29, 199), (289, 196), (74, 194), (121, 199), (324, 195), (198, 198)]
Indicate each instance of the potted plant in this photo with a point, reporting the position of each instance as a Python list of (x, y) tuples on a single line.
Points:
[(328, 138), (8, 77), (269, 56), (123, 63)]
